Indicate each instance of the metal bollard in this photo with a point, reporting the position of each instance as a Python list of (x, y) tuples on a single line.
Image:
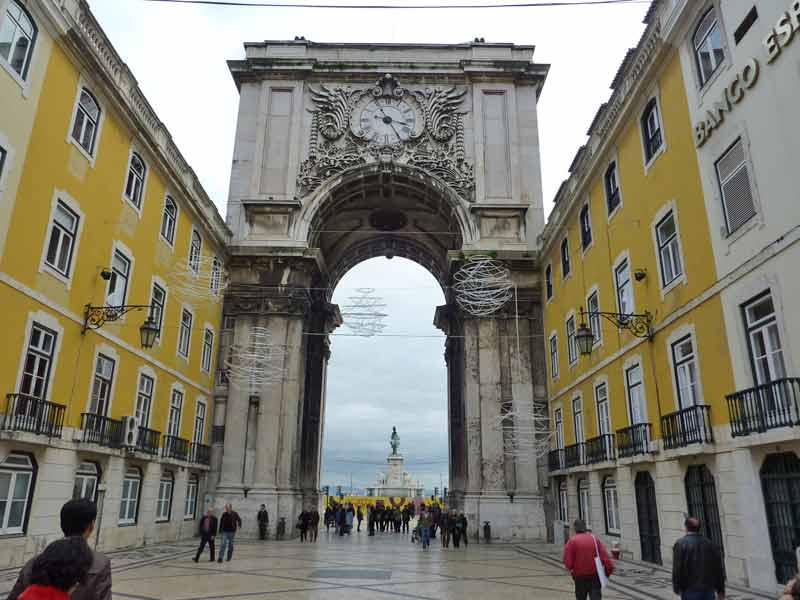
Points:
[(487, 532), (280, 531)]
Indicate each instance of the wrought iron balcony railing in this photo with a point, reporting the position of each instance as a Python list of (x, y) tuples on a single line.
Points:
[(101, 430), (200, 454), (555, 460), (688, 426), (32, 415), (148, 441), (574, 455), (599, 449), (633, 440), (175, 447), (764, 407)]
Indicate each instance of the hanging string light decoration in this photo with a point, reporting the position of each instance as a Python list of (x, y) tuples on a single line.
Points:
[(527, 435), (362, 314), (257, 363), (482, 286), (203, 278)]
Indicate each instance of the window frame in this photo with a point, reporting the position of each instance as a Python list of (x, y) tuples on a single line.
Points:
[(624, 263), (200, 422), (102, 379), (570, 327), (563, 501), (548, 282), (595, 322), (566, 260), (760, 325), (63, 200), (63, 234), (207, 353), (584, 503), (673, 245), (136, 200), (578, 422), (190, 500), (558, 427), (613, 169), (4, 158), (160, 287), (13, 470), (126, 257), (677, 365), (746, 165), (89, 154), (175, 424), (164, 496), (133, 474), (85, 474), (586, 227), (166, 218), (598, 385), (144, 398), (20, 77), (650, 154), (185, 333), (554, 370), (39, 354), (628, 367), (703, 79), (195, 251), (612, 528)]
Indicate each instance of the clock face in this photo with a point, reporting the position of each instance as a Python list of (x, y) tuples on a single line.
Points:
[(387, 121)]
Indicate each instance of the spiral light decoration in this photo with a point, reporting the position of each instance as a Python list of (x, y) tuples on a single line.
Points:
[(362, 313), (258, 363), (527, 435), (482, 286), (207, 282)]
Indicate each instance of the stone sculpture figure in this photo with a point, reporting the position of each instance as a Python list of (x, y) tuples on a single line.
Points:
[(394, 441)]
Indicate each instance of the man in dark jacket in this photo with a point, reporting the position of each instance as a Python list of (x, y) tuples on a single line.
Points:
[(579, 554), (208, 531), (263, 522), (77, 518), (697, 572), (229, 522)]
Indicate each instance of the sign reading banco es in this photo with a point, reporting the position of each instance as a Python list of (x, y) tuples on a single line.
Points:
[(779, 38)]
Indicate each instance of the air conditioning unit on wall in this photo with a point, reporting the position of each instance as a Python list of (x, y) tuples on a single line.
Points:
[(130, 432)]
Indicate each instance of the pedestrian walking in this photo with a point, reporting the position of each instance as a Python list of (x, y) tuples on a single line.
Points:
[(349, 516), (462, 520), (360, 517), (302, 525), (60, 570), (208, 531), (263, 522), (424, 525), (697, 571), (77, 519), (328, 519), (406, 518), (444, 526), (313, 525), (458, 530), (579, 558), (229, 522)]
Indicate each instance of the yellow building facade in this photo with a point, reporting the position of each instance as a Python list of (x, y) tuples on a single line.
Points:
[(104, 227), (637, 416)]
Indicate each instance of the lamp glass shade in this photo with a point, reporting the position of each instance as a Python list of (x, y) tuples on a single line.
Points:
[(148, 332), (585, 340)]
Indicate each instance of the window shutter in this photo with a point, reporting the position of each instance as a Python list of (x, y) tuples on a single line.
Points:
[(737, 193)]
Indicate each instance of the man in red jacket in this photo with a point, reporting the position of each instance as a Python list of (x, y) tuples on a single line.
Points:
[(579, 554)]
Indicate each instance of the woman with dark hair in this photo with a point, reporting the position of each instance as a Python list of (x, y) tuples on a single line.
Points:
[(59, 570)]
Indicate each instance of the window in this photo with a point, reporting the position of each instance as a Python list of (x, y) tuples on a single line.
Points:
[(129, 501), (87, 119), (3, 154), (144, 400), (622, 276), (635, 388), (548, 281), (208, 345), (190, 503), (558, 416), (738, 203), (17, 38), (63, 233), (185, 333), (194, 252), (583, 501), (766, 350), (603, 413), (586, 227), (708, 46), (101, 386), (216, 275), (164, 500), (554, 356), (593, 307), (611, 185), (572, 346), (38, 362), (563, 513), (685, 365), (134, 185), (577, 419), (199, 424), (175, 409), (651, 130), (118, 284), (565, 266), (17, 476), (611, 505), (169, 220), (669, 252), (158, 300), (86, 481)]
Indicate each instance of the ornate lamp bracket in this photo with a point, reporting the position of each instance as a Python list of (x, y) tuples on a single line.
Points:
[(638, 324), (94, 317)]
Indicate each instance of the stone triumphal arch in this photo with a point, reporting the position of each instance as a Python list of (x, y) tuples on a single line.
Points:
[(345, 152)]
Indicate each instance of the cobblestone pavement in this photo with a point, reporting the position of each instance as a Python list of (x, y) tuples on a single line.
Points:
[(359, 568)]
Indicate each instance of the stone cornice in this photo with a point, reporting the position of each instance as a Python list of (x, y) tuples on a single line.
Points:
[(89, 42)]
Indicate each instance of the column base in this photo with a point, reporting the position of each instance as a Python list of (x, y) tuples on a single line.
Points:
[(286, 504), (522, 519)]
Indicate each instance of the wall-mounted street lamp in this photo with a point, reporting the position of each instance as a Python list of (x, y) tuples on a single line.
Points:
[(94, 317), (637, 324)]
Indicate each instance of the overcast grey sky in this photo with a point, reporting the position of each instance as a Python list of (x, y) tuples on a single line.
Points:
[(178, 54)]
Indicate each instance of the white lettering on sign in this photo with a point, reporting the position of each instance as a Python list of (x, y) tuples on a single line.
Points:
[(780, 36)]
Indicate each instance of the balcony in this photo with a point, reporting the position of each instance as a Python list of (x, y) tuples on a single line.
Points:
[(555, 460), (633, 440), (687, 426), (200, 454), (600, 449), (148, 441), (101, 430), (32, 415), (175, 447), (574, 455), (765, 407)]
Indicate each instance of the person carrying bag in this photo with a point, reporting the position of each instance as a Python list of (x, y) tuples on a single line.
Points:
[(588, 562)]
